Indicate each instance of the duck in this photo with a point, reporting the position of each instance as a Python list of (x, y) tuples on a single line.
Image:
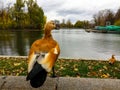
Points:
[(112, 60), (42, 56)]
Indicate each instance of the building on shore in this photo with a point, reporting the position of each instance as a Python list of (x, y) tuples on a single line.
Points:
[(57, 22)]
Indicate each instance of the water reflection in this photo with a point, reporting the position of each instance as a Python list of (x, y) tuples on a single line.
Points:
[(17, 42), (80, 44), (74, 43)]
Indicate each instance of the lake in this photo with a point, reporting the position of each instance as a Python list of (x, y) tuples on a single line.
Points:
[(74, 43)]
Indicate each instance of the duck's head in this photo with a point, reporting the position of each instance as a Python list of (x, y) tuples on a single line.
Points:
[(113, 55), (49, 26)]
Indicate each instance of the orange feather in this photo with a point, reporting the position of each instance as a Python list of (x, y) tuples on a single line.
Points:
[(46, 44)]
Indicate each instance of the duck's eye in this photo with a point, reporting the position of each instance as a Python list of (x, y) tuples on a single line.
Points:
[(53, 23)]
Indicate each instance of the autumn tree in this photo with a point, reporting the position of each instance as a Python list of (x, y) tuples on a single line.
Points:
[(69, 24), (4, 17), (18, 13), (86, 24), (117, 18), (109, 17), (36, 14), (103, 16), (23, 14), (63, 25), (99, 18), (117, 15), (78, 24)]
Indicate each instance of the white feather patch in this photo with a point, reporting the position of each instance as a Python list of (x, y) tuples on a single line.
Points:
[(41, 57), (42, 60), (32, 62), (44, 64), (55, 51)]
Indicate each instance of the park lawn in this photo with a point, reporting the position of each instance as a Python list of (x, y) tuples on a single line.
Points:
[(65, 68)]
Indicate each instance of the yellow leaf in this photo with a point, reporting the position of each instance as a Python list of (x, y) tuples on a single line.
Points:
[(105, 67), (75, 69), (3, 71), (17, 74), (16, 64), (90, 67), (105, 75)]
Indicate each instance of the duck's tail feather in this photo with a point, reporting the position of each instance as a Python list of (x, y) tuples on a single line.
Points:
[(39, 79), (37, 76)]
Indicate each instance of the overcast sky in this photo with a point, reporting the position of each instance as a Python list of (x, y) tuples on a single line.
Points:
[(73, 9)]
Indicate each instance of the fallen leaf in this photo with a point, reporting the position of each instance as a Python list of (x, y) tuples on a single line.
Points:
[(90, 67), (105, 75), (75, 69), (105, 67), (17, 64)]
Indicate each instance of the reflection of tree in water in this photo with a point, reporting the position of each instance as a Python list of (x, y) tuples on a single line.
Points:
[(34, 35), (20, 47), (5, 42), (24, 41), (17, 42)]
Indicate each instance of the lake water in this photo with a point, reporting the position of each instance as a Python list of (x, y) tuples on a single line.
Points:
[(74, 43)]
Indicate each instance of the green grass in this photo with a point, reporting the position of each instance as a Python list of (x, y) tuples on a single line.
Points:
[(65, 68), (13, 67)]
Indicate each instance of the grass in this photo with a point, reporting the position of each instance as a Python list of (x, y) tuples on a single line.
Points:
[(65, 68)]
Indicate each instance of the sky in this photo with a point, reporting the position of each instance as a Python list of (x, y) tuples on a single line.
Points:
[(73, 10)]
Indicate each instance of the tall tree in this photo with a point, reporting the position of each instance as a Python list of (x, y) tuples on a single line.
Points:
[(36, 14), (104, 16), (117, 15), (86, 24), (78, 24), (63, 25), (69, 24), (18, 13), (117, 18), (109, 17)]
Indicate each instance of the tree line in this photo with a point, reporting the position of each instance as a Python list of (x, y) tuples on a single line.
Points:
[(78, 24), (23, 14), (107, 17), (102, 18), (27, 14)]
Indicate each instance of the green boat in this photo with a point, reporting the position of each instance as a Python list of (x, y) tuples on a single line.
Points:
[(107, 29), (113, 28)]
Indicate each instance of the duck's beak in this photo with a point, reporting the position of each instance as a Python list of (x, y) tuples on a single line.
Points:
[(57, 25)]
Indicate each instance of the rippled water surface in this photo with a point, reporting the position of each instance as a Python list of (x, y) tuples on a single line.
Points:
[(74, 43)]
